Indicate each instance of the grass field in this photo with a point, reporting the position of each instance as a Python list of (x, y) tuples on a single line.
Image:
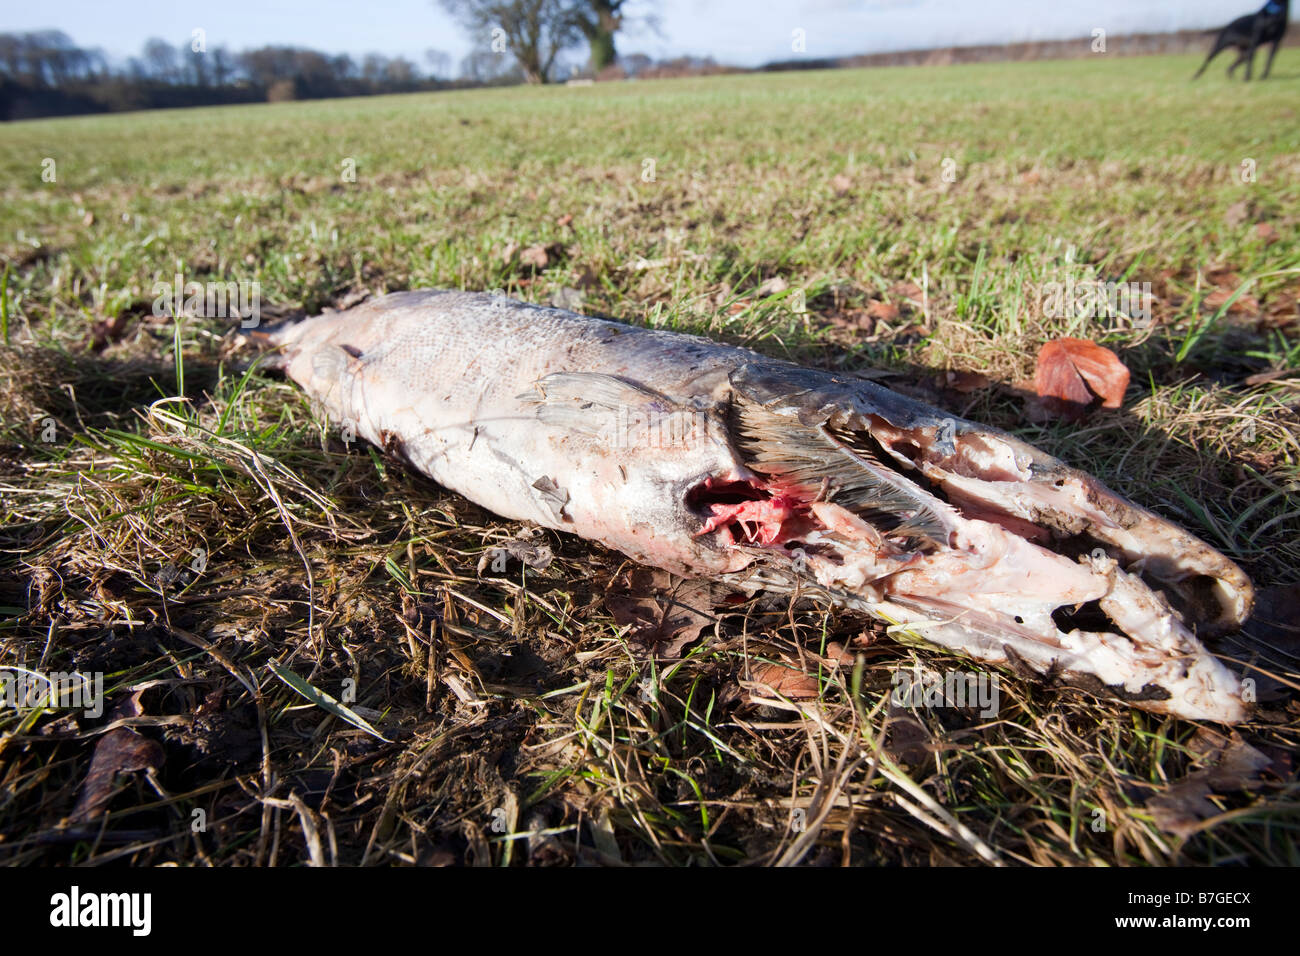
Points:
[(193, 532)]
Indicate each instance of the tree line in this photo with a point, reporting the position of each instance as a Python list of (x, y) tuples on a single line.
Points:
[(45, 73)]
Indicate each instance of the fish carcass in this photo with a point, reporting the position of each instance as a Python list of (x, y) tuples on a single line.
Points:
[(707, 459)]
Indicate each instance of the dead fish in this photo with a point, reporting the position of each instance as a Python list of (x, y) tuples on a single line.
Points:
[(711, 460)]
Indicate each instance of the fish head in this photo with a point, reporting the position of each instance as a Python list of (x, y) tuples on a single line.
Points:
[(965, 537)]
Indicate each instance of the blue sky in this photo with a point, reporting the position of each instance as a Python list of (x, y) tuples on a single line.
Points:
[(743, 32)]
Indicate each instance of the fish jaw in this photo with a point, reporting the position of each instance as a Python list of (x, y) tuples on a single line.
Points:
[(1023, 560)]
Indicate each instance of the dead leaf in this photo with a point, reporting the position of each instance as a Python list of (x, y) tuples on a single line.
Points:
[(666, 613), (564, 220), (88, 219), (1071, 373), (785, 681), (883, 311), (1237, 213), (856, 319), (535, 256), (523, 548), (1282, 311), (964, 382), (105, 331), (1263, 378), (906, 739), (772, 286), (1242, 304), (841, 184), (1233, 765), (906, 290), (508, 251), (121, 750), (1181, 808), (1266, 232), (837, 655)]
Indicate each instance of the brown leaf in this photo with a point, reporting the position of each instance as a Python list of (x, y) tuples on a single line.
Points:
[(883, 311), (1242, 304), (859, 320), (534, 256), (536, 554), (773, 285), (1071, 373), (105, 331), (564, 220), (841, 184), (88, 219), (666, 613), (1263, 378), (906, 741), (121, 750), (837, 655), (906, 290), (1282, 311), (964, 382), (1181, 808), (1237, 213), (1232, 765), (1266, 232), (785, 681)]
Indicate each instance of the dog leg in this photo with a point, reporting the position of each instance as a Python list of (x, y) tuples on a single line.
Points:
[(1268, 67), (1219, 47)]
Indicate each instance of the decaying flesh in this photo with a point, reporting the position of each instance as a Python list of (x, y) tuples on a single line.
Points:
[(705, 459)]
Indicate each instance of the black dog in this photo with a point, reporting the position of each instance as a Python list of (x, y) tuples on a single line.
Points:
[(1249, 33)]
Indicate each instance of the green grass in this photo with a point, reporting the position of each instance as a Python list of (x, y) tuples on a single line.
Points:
[(528, 706)]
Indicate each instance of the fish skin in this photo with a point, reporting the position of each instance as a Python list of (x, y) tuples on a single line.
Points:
[(630, 437)]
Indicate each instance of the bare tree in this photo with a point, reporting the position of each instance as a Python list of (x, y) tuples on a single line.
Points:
[(400, 73), (373, 67), (533, 31), (439, 63), (484, 66), (223, 65), (160, 59), (344, 67)]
